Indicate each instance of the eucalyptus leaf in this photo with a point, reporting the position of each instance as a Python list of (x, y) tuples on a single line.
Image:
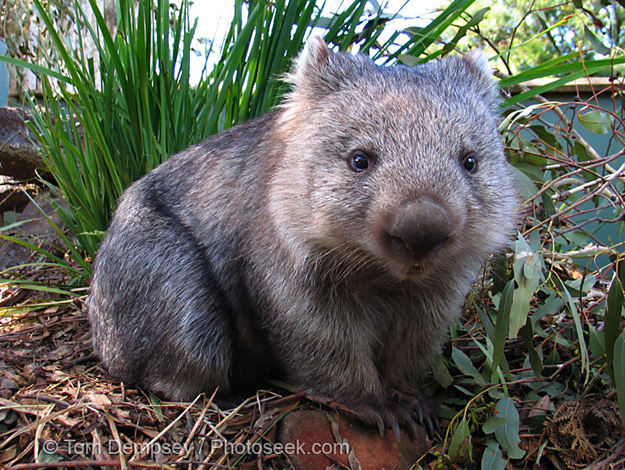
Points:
[(460, 448), (492, 458), (508, 434), (553, 359), (464, 364), (580, 287), (528, 266), (525, 183), (45, 457), (596, 340), (613, 316), (619, 373), (440, 372), (596, 121), (548, 206), (579, 329), (551, 305), (493, 423), (597, 44), (487, 321), (548, 139), (502, 324), (527, 334)]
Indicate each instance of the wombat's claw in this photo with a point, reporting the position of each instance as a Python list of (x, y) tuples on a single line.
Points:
[(393, 425), (433, 425), (396, 431), (388, 413), (377, 413), (380, 424), (421, 406)]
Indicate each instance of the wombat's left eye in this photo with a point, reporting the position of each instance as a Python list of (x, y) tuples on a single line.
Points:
[(469, 163), (359, 161)]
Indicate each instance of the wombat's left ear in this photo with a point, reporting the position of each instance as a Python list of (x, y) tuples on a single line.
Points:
[(314, 68), (314, 56), (478, 62)]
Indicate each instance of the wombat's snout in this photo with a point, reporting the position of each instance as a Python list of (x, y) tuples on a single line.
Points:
[(419, 228)]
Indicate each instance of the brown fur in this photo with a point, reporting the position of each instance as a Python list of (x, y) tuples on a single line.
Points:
[(329, 243)]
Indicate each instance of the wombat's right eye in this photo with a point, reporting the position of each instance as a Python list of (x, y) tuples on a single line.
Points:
[(359, 161), (469, 162)]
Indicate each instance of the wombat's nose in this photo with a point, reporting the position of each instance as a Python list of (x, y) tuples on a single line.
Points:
[(421, 227)]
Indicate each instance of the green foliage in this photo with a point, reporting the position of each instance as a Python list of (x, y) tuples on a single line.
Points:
[(422, 38), (619, 372), (506, 428), (597, 121), (460, 447), (548, 325), (531, 32), (552, 324), (25, 40), (613, 320), (528, 273), (554, 329), (492, 458), (129, 107)]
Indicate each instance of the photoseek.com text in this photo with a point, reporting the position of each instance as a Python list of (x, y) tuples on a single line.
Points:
[(163, 449)]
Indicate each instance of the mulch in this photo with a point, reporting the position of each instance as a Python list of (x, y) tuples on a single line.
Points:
[(58, 409)]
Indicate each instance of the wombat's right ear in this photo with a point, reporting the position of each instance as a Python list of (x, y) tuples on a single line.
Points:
[(483, 76)]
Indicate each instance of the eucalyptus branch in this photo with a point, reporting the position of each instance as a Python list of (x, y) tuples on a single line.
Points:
[(582, 187), (577, 136), (589, 250)]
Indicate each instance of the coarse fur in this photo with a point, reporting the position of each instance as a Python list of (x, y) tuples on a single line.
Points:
[(329, 243)]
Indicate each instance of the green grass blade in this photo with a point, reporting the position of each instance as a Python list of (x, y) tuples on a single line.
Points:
[(37, 69), (619, 373), (502, 324), (613, 318)]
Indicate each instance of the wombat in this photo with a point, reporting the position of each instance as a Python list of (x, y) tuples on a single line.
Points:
[(328, 243)]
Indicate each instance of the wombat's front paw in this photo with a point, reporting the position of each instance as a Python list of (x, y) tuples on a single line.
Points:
[(405, 409), (414, 399)]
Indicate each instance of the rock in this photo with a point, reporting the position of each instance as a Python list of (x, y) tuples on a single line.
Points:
[(12, 196), (19, 155), (318, 439), (35, 230), (9, 384), (19, 160)]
